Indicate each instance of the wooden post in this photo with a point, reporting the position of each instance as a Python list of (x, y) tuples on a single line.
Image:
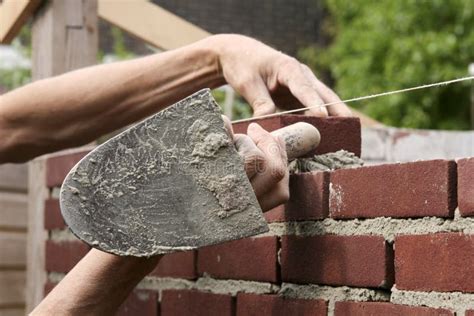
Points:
[(65, 37)]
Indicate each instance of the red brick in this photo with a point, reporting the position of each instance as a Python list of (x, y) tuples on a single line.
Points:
[(466, 186), (336, 132), (415, 189), (63, 256), (257, 305), (177, 265), (365, 261), (276, 214), (52, 215), (194, 303), (48, 287), (246, 259), (58, 166), (139, 302), (435, 262), (469, 312), (386, 309), (309, 199)]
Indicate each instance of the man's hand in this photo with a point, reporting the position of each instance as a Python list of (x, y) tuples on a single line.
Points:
[(265, 163), (268, 79)]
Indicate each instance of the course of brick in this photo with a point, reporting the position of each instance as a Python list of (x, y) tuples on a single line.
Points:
[(415, 189), (376, 240)]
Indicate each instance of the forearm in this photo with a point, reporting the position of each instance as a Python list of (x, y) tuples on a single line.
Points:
[(97, 285), (77, 107)]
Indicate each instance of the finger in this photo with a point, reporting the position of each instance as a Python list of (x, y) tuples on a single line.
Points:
[(292, 75), (328, 96), (256, 93), (253, 157), (228, 126), (276, 160), (279, 195)]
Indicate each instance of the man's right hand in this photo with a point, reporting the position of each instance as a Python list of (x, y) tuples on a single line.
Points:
[(265, 162)]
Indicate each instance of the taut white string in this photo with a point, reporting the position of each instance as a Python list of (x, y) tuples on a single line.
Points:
[(372, 96)]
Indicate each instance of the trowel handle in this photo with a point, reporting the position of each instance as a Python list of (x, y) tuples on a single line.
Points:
[(300, 138)]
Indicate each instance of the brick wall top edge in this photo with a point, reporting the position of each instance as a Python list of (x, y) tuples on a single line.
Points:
[(411, 189)]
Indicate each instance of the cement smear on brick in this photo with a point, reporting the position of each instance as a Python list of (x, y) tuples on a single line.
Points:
[(341, 159), (332, 294), (381, 226), (455, 301)]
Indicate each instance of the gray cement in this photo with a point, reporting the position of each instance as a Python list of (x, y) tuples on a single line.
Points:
[(341, 159), (455, 301), (381, 226)]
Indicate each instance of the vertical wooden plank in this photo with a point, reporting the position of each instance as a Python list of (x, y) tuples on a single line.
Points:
[(65, 37), (35, 248)]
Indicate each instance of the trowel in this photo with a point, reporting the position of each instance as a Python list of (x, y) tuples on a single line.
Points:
[(172, 182)]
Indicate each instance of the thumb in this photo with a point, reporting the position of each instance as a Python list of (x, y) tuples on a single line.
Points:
[(257, 95)]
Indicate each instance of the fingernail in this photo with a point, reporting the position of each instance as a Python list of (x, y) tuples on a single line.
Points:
[(254, 127)]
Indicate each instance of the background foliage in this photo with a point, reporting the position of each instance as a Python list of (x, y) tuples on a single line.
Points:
[(387, 45)]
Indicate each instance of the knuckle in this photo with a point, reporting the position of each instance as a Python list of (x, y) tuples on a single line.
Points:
[(258, 162), (278, 172), (289, 63), (244, 83)]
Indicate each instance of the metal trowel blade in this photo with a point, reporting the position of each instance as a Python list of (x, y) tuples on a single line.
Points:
[(172, 182)]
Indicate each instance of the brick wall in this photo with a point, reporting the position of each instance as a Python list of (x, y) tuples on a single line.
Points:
[(377, 240)]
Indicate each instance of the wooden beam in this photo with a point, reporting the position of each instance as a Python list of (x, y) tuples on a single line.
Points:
[(13, 15), (65, 37), (150, 23)]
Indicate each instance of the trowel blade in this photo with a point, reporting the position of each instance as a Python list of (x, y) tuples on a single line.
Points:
[(172, 182)]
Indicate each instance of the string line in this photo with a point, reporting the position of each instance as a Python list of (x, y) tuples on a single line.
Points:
[(372, 96)]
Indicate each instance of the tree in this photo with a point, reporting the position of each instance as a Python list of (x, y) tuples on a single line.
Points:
[(387, 45)]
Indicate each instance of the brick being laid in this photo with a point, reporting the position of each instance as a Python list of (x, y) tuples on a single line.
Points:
[(336, 132), (414, 189)]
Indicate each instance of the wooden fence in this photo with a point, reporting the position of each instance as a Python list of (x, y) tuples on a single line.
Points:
[(13, 222)]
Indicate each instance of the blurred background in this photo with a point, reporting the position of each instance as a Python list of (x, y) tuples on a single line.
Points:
[(357, 47)]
